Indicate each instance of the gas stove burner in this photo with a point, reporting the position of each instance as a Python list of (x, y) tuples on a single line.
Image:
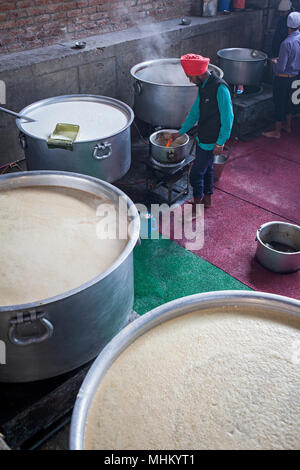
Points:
[(166, 166)]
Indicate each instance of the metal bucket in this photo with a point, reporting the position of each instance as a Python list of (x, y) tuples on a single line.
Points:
[(278, 233), (219, 164), (164, 313), (52, 336)]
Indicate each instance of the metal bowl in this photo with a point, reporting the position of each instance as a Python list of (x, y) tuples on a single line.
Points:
[(79, 45), (168, 155), (273, 237)]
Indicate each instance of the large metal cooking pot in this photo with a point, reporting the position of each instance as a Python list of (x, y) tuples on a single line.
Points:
[(50, 337), (163, 93), (274, 237), (242, 66), (102, 148), (176, 153), (200, 302)]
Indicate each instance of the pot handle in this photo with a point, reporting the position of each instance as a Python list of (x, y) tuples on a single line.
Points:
[(171, 156), (138, 87), (258, 231), (23, 141), (29, 317), (102, 151)]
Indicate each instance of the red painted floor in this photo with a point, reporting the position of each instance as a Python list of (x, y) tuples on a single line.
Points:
[(266, 180), (260, 183), (287, 147)]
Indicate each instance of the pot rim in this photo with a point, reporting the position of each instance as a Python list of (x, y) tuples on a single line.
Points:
[(78, 97), (58, 178), (150, 320), (152, 137), (254, 59), (142, 65), (262, 227)]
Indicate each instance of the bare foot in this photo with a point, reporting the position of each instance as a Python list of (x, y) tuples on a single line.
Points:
[(272, 135)]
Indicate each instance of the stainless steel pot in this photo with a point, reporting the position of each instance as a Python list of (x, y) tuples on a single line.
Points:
[(242, 66), (280, 233), (107, 157), (180, 307), (50, 337), (175, 153), (163, 94)]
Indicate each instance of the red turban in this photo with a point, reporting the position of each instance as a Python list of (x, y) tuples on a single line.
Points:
[(194, 64)]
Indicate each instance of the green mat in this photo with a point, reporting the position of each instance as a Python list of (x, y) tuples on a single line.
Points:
[(165, 271)]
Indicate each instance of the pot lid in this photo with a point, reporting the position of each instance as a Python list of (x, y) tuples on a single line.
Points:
[(97, 118)]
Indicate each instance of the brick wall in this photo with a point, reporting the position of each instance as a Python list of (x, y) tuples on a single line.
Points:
[(26, 24)]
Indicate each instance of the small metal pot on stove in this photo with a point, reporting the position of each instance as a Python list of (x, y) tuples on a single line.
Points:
[(176, 153)]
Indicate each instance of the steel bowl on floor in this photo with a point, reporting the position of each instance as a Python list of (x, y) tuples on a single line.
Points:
[(278, 247)]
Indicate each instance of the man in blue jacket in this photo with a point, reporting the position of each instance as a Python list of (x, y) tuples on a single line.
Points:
[(287, 68), (281, 32), (212, 110)]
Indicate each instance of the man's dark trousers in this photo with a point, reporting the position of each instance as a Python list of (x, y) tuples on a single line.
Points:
[(202, 173)]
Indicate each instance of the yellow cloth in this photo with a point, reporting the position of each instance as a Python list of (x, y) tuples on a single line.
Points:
[(63, 136)]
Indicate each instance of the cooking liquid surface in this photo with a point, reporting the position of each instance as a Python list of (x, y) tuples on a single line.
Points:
[(96, 120), (165, 74), (49, 243), (219, 379)]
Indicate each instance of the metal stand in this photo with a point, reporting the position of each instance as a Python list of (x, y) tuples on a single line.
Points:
[(162, 177)]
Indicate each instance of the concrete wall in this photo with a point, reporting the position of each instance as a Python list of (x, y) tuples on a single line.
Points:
[(103, 67)]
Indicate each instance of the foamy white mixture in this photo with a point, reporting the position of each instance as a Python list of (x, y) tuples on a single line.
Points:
[(49, 243), (207, 380), (165, 74), (96, 120)]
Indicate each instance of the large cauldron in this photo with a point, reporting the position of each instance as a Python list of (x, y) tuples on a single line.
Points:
[(102, 147), (240, 302), (163, 94), (242, 66), (52, 336)]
